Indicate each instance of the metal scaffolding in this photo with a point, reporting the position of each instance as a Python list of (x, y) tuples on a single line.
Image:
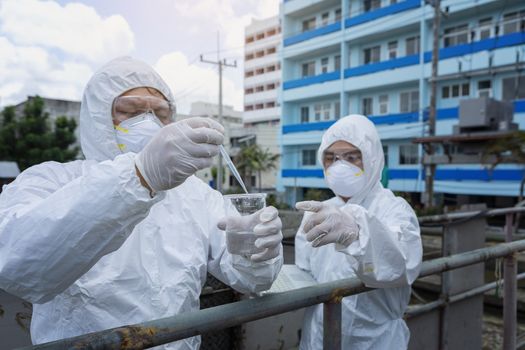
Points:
[(162, 331)]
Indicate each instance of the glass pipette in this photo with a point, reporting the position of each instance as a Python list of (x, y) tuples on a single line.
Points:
[(232, 167)]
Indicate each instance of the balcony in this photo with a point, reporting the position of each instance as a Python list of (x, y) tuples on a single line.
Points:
[(315, 79), (382, 12), (324, 30), (390, 119), (456, 174)]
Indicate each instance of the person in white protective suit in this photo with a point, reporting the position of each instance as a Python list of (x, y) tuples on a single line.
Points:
[(375, 237), (129, 234)]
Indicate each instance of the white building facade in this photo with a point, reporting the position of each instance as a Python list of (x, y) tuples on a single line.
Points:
[(262, 81), (373, 57)]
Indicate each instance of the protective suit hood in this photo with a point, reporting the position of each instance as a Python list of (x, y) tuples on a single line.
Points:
[(360, 132), (97, 135)]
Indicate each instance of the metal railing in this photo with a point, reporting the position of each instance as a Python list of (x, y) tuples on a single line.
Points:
[(162, 331)]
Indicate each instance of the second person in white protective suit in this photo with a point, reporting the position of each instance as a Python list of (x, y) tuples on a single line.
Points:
[(363, 231), (129, 234)]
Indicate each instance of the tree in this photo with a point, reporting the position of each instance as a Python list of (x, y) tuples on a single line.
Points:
[(509, 148), (30, 139), (253, 159)]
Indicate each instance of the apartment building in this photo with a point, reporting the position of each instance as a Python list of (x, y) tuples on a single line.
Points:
[(262, 81), (373, 57)]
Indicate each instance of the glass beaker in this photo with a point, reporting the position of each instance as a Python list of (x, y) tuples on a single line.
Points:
[(242, 241)]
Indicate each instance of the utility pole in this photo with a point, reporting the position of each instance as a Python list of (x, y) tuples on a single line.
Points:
[(431, 168), (220, 63)]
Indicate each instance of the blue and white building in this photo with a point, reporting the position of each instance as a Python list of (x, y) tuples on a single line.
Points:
[(373, 57)]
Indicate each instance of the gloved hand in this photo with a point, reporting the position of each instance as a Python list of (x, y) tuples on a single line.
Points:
[(178, 150), (265, 223), (328, 224)]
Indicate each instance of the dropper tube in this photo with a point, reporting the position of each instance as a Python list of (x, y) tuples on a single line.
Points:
[(232, 167)]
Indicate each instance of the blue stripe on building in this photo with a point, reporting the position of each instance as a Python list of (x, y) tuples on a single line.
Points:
[(316, 79), (399, 118), (330, 28), (382, 12), (441, 174), (448, 52)]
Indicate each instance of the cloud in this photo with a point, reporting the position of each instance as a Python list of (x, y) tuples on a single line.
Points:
[(52, 50), (230, 17), (74, 29), (191, 83)]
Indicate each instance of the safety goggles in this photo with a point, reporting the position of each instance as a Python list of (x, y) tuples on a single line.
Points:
[(353, 157), (126, 107)]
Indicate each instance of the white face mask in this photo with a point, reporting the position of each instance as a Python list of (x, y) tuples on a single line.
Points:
[(134, 133), (345, 179)]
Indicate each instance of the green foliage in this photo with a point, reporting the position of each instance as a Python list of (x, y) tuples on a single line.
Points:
[(253, 159), (30, 139), (513, 146), (214, 174), (272, 200), (317, 194)]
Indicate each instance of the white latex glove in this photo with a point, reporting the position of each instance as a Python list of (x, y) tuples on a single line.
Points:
[(328, 224), (266, 224), (178, 150)]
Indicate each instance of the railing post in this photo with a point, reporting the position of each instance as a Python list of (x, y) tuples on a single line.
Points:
[(332, 325), (510, 294)]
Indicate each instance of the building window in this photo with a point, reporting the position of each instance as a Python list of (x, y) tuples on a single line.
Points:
[(248, 108), (412, 45), (327, 109), (338, 15), (308, 69), (455, 90), (309, 24), (271, 32), (259, 106), (408, 154), (366, 105), (308, 158), (337, 62), (409, 101), (259, 71), (485, 28), (514, 22), (317, 112), (248, 57), (249, 39), (270, 104), (456, 36), (270, 68), (484, 88), (248, 74), (369, 5), (248, 91), (392, 49), (324, 65), (305, 114), (383, 104), (271, 50), (392, 2), (337, 108), (324, 18), (270, 87), (385, 153), (260, 36), (514, 88), (371, 54), (259, 88)]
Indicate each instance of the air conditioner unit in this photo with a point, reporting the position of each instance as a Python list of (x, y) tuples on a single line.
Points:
[(484, 114)]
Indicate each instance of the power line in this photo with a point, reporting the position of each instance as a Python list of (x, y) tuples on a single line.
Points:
[(220, 64)]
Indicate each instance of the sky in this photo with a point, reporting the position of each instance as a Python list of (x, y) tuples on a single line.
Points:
[(52, 47)]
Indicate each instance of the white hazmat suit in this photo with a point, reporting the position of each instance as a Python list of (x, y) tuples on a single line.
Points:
[(387, 255), (88, 246)]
